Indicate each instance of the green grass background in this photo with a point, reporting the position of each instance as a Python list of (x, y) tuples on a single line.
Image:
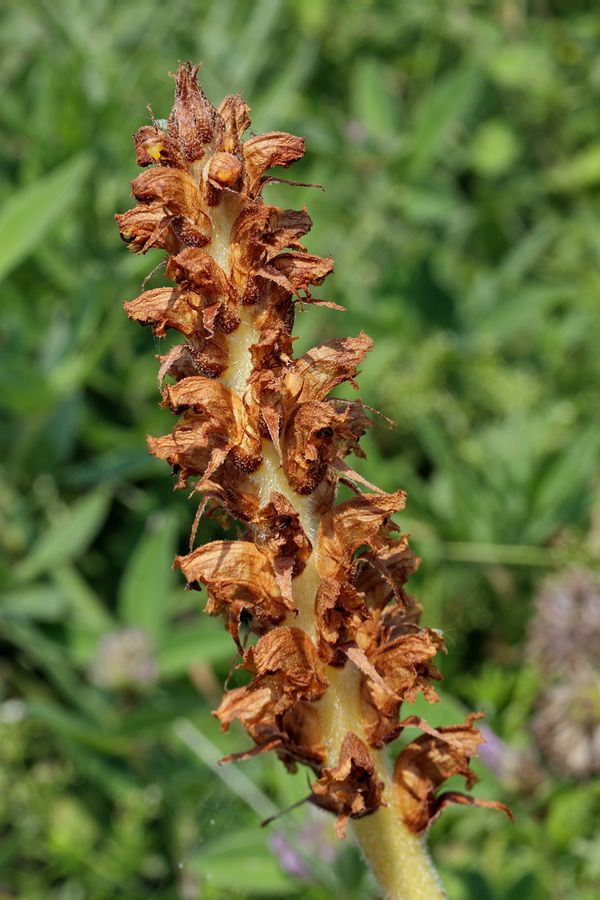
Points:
[(459, 144)]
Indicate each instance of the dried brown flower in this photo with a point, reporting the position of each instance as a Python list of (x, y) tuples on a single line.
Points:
[(564, 644), (566, 726), (339, 646), (564, 636)]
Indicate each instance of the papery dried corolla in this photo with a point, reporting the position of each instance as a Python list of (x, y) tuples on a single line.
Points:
[(352, 788), (430, 760)]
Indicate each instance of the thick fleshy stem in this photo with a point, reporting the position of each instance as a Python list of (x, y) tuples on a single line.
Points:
[(397, 857)]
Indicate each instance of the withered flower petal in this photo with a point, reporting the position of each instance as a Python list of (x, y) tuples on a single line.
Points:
[(233, 570), (174, 189), (351, 789), (265, 151), (426, 763), (235, 113), (351, 525)]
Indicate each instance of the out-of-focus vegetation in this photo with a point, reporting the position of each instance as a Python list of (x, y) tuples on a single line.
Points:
[(459, 144)]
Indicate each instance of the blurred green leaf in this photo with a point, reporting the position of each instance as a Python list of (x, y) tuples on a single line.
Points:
[(441, 112), (68, 538), (571, 812), (205, 642), (256, 872), (566, 481), (27, 215), (494, 148), (86, 607), (580, 171), (372, 104), (41, 602), (144, 588), (76, 727)]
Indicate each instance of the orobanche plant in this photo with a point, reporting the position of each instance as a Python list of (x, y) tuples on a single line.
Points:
[(336, 646)]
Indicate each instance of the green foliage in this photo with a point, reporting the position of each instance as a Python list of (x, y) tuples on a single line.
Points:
[(460, 150)]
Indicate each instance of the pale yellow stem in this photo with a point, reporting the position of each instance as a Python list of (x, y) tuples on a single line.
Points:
[(398, 859)]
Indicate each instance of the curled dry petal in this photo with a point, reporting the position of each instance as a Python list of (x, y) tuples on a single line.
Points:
[(235, 113), (171, 188), (405, 668), (430, 760), (236, 572), (323, 368), (287, 672), (168, 308), (351, 789), (265, 151), (153, 145), (308, 444), (217, 410), (351, 525)]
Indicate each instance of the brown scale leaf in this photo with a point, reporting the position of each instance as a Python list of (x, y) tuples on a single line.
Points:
[(193, 118), (315, 374), (430, 760), (351, 789)]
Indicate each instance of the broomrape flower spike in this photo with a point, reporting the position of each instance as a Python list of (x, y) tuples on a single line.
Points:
[(338, 644)]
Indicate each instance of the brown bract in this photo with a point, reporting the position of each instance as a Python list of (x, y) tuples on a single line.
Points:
[(262, 442), (351, 789), (240, 577), (429, 761)]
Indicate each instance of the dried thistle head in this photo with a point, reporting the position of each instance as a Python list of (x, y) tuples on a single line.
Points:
[(125, 660), (564, 635), (335, 643), (564, 644), (566, 726)]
